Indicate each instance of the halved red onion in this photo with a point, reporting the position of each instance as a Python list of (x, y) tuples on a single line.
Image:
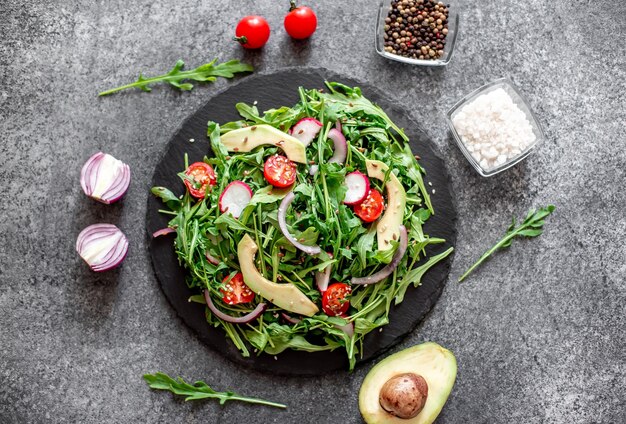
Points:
[(282, 223), (212, 259), (235, 320), (104, 178), (388, 270), (340, 146), (290, 319), (102, 246), (163, 232), (348, 328)]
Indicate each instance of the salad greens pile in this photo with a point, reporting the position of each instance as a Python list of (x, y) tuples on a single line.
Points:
[(317, 216)]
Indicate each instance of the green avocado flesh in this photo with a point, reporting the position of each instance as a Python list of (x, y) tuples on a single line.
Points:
[(247, 139), (434, 363)]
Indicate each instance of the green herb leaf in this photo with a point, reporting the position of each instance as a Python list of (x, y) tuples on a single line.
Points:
[(176, 77), (531, 227), (199, 390)]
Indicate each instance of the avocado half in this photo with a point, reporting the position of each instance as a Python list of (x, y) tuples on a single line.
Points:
[(434, 363)]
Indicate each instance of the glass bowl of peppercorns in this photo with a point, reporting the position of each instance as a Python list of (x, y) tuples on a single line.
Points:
[(417, 32)]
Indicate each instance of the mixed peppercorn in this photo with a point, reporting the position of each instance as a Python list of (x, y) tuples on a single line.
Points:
[(416, 29)]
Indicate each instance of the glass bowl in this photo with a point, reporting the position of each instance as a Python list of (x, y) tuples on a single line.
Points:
[(519, 101), (453, 30)]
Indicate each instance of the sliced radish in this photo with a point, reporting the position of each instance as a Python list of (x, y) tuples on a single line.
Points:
[(358, 186), (306, 129), (340, 146), (235, 198)]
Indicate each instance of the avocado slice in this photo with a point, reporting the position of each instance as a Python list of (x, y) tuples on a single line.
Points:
[(388, 227), (429, 361), (286, 296), (248, 138)]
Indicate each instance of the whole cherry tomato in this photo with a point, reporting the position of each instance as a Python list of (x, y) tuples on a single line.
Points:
[(370, 209), (335, 299), (252, 32), (201, 175), (280, 171), (300, 22), (235, 290)]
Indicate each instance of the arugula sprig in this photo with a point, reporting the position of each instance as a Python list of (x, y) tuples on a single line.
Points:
[(532, 226), (199, 390), (176, 77)]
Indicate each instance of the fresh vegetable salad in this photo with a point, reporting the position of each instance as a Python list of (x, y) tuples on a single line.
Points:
[(304, 226)]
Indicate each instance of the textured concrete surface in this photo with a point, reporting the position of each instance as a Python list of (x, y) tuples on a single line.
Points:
[(539, 331)]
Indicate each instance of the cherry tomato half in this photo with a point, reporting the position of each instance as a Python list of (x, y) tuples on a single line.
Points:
[(252, 32), (280, 171), (300, 22), (335, 299), (202, 175), (370, 209), (235, 291)]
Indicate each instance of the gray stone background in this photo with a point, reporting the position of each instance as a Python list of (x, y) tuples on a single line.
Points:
[(539, 331)]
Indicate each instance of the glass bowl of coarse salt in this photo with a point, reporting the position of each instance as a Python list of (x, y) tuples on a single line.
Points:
[(494, 127)]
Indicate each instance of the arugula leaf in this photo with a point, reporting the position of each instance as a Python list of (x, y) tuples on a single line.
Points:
[(172, 202), (176, 77), (531, 227), (199, 390)]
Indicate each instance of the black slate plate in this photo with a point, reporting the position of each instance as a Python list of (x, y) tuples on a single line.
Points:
[(275, 90)]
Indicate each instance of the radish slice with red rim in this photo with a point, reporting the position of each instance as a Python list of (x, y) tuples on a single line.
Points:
[(102, 246), (388, 270), (358, 187), (306, 129), (256, 312), (282, 223), (235, 197), (104, 178), (340, 146)]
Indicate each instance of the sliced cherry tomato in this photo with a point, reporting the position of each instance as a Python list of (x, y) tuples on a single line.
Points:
[(203, 176), (300, 22), (335, 299), (370, 209), (235, 291), (280, 171), (252, 32)]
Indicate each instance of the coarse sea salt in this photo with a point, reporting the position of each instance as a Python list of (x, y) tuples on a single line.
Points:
[(494, 129)]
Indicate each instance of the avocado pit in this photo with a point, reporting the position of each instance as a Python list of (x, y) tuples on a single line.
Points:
[(404, 395)]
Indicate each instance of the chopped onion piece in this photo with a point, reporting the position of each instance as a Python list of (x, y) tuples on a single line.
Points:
[(388, 270), (102, 246), (104, 178), (235, 320), (282, 223)]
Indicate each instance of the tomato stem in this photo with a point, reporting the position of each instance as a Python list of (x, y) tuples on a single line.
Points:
[(241, 40), (292, 5)]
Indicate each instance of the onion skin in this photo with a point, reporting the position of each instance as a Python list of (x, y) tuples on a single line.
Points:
[(388, 270), (282, 222), (102, 246), (104, 178), (235, 320)]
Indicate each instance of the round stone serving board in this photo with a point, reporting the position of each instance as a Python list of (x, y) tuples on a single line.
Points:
[(275, 90)]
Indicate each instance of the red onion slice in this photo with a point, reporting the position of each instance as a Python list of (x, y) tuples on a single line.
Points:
[(163, 231), (238, 320), (338, 126), (212, 259), (104, 178), (290, 319), (340, 146), (348, 328), (102, 246), (282, 223), (388, 270), (322, 279)]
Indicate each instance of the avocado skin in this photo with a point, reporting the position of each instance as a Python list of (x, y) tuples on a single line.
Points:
[(434, 363)]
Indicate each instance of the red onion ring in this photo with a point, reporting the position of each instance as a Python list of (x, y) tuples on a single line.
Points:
[(104, 178), (102, 246), (212, 259), (239, 320), (282, 223), (290, 319), (338, 126), (388, 270), (163, 231), (340, 146)]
